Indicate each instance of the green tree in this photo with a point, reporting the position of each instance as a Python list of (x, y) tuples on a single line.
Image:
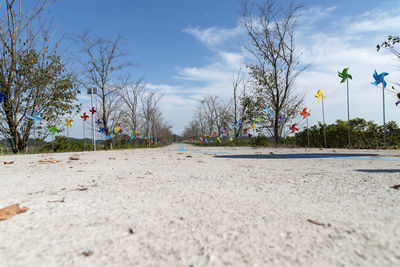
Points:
[(32, 75)]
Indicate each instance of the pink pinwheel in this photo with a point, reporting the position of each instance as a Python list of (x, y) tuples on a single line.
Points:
[(293, 128)]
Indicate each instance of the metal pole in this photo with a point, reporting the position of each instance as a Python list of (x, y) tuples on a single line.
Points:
[(348, 111), (323, 117), (384, 123), (93, 136), (308, 135)]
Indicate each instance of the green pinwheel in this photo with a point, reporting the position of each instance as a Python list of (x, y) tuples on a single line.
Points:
[(344, 75), (345, 78), (53, 129)]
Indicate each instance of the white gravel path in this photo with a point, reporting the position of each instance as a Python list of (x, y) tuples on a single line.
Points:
[(242, 207)]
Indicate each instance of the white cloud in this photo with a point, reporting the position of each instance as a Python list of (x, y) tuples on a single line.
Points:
[(215, 35)]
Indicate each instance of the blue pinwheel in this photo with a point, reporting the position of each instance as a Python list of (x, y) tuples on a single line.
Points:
[(35, 118), (108, 136), (380, 78), (101, 130), (98, 122), (2, 96), (269, 112)]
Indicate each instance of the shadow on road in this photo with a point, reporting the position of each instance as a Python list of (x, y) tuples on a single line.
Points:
[(381, 171), (297, 156)]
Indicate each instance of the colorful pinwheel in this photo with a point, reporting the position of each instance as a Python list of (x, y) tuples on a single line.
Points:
[(305, 113), (293, 128), (2, 96), (380, 78), (93, 110), (252, 126), (108, 136), (84, 116), (282, 119), (230, 139), (53, 129), (98, 122), (101, 130), (245, 131), (319, 95), (118, 124), (35, 118), (117, 129), (344, 75), (68, 122), (258, 119)]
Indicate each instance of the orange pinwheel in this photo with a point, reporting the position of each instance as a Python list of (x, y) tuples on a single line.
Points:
[(305, 113), (84, 116)]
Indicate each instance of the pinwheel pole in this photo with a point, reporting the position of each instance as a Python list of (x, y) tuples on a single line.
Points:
[(384, 122), (308, 134), (348, 112), (92, 91), (323, 118)]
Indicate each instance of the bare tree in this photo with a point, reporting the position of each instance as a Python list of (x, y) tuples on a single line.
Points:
[(150, 110), (131, 95), (271, 27), (102, 59), (240, 84), (33, 80)]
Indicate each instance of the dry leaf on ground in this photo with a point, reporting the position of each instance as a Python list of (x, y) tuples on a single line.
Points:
[(396, 186), (43, 161), (8, 162), (11, 211), (315, 222)]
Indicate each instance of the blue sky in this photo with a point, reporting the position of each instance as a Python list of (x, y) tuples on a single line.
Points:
[(186, 49)]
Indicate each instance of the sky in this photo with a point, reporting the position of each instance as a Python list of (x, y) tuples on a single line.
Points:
[(187, 49)]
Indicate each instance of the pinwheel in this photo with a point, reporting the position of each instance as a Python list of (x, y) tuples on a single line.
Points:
[(344, 75), (93, 110), (245, 131), (35, 119), (133, 136), (2, 96), (320, 96), (381, 79), (345, 78), (108, 136), (282, 119), (117, 129), (84, 117), (305, 113), (269, 112), (234, 126), (68, 122), (118, 124), (101, 130), (230, 139), (120, 131), (99, 122), (258, 119), (249, 135), (252, 126), (53, 129), (293, 128)]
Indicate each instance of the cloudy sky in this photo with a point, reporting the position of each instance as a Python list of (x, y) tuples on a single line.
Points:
[(187, 49)]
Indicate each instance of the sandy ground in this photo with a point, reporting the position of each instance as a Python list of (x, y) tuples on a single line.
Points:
[(238, 207)]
